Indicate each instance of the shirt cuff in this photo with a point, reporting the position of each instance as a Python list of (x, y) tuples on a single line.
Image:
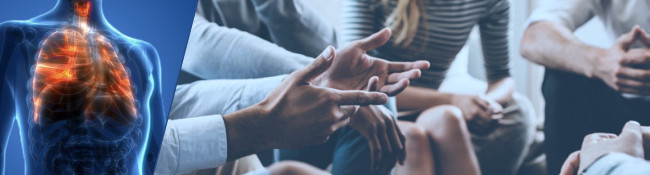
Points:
[(202, 143), (608, 163)]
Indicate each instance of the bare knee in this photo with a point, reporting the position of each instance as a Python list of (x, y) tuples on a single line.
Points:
[(444, 119), (414, 133), (293, 167)]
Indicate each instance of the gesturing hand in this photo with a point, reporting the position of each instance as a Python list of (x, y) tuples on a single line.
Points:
[(354, 67), (627, 70), (482, 114), (386, 140), (295, 113)]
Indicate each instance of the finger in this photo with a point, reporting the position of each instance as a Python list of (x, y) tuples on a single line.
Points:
[(412, 74), (633, 84), (375, 40), (645, 38), (393, 133), (373, 148), (635, 91), (388, 149), (571, 165), (482, 104), (402, 141), (632, 129), (376, 153), (341, 123), (372, 84), (317, 67), (634, 74), (394, 89), (625, 40), (405, 66), (357, 97), (638, 58)]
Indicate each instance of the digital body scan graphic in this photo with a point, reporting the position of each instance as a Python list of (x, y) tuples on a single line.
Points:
[(84, 95)]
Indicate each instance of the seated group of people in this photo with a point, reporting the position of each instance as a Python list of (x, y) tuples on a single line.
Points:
[(262, 89)]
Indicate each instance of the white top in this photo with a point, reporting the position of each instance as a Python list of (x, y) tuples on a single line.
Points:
[(618, 16)]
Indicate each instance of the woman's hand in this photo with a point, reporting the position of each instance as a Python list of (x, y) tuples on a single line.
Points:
[(482, 114)]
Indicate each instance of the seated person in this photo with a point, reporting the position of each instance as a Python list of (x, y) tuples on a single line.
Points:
[(198, 137), (611, 154), (220, 34), (584, 85), (463, 133)]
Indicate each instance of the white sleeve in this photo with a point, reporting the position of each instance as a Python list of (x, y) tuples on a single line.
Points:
[(619, 164), (217, 52), (569, 13), (195, 137), (193, 144)]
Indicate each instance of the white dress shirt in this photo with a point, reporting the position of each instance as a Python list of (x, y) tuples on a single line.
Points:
[(195, 137)]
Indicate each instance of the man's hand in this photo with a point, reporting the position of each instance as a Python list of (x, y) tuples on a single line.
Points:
[(627, 70), (596, 145), (295, 113), (571, 164), (386, 140), (354, 67), (482, 114)]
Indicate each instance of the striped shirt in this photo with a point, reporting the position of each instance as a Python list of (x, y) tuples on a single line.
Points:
[(443, 31)]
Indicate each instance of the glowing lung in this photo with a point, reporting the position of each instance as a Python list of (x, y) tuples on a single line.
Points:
[(80, 74)]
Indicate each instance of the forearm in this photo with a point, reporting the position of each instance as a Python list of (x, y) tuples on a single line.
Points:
[(555, 47), (501, 90), (418, 98), (246, 133), (215, 52)]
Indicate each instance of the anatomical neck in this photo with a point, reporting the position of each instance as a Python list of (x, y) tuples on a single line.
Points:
[(81, 13)]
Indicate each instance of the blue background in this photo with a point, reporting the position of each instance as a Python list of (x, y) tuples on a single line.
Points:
[(164, 23)]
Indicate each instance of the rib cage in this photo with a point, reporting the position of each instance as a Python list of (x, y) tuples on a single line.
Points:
[(79, 73)]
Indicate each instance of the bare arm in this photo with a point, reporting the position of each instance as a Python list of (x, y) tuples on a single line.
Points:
[(551, 44), (418, 98), (7, 45), (501, 90)]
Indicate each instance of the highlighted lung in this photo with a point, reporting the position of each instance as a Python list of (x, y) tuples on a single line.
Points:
[(80, 74)]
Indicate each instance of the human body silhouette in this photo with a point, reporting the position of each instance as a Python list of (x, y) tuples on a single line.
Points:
[(85, 96)]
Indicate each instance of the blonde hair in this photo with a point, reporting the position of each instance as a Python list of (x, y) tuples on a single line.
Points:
[(404, 20)]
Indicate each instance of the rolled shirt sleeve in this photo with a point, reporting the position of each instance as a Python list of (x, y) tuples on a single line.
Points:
[(195, 137), (217, 52), (618, 164), (569, 13)]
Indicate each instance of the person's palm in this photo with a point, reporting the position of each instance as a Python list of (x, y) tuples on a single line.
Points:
[(353, 68)]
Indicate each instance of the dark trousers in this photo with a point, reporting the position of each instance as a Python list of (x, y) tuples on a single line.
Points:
[(346, 150), (577, 106)]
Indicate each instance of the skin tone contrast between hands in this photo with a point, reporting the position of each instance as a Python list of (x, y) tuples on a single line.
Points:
[(315, 101)]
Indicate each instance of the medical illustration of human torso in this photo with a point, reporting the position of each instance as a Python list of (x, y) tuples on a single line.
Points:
[(83, 107)]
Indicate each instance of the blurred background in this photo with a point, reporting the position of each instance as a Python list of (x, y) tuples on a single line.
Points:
[(528, 76)]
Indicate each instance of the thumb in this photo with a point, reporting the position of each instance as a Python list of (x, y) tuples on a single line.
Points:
[(375, 40), (631, 129), (627, 39), (318, 66)]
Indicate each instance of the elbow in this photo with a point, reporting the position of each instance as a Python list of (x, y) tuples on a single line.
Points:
[(527, 45)]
